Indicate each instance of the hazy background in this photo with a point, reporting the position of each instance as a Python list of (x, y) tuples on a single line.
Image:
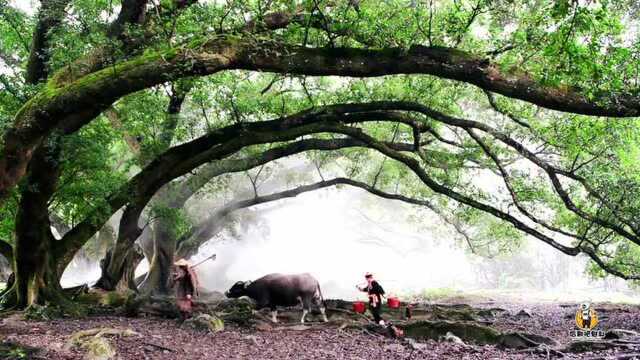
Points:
[(331, 234), (338, 234)]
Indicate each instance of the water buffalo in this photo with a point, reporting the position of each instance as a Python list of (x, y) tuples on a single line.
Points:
[(281, 290)]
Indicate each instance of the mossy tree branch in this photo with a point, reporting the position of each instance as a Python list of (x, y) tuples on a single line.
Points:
[(57, 106)]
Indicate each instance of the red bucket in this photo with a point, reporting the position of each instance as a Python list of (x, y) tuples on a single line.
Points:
[(359, 307), (393, 302)]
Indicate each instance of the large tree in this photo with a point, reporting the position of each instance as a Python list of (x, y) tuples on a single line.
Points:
[(416, 102)]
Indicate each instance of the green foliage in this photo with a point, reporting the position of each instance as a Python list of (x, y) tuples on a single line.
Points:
[(12, 351), (49, 312), (236, 311), (43, 313), (92, 168), (175, 220)]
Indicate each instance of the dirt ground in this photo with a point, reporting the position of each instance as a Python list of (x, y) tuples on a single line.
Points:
[(165, 339)]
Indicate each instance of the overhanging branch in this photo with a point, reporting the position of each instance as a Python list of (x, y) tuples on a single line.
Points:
[(95, 92), (188, 245), (414, 165)]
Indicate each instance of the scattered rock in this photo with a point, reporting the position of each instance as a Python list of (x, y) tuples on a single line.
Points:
[(298, 327), (590, 346), (620, 333), (622, 356), (541, 339), (205, 322), (491, 313), (449, 337), (415, 345), (252, 338), (98, 348), (263, 326), (395, 347), (517, 340), (522, 314)]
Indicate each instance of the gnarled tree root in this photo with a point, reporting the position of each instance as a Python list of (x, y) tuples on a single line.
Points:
[(623, 356), (474, 333), (95, 344), (588, 346)]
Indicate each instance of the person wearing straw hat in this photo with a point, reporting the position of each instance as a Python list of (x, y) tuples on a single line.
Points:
[(375, 292), (185, 281)]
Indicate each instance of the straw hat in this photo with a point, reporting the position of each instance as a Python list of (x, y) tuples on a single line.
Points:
[(181, 262)]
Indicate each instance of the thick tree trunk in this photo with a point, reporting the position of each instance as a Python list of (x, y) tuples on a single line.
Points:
[(128, 280), (157, 281), (122, 276), (37, 280), (36, 272), (123, 256)]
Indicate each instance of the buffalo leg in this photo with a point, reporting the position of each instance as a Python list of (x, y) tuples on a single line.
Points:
[(323, 311), (317, 300), (306, 307)]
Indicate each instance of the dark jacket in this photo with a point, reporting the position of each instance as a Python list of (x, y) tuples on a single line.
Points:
[(374, 290)]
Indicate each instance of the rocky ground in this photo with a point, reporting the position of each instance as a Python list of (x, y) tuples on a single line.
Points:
[(153, 337)]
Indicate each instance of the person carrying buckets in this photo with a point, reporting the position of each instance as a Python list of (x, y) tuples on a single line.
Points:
[(375, 292)]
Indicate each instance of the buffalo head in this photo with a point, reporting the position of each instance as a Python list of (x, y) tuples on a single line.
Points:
[(237, 290)]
